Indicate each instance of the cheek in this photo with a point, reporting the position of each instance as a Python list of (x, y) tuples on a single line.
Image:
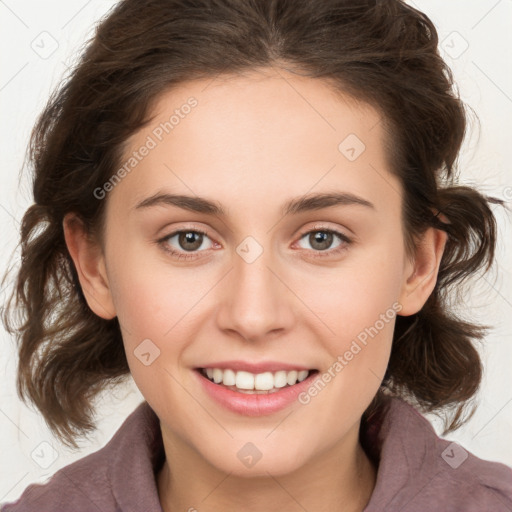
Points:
[(154, 300), (358, 307), (156, 309), (355, 295)]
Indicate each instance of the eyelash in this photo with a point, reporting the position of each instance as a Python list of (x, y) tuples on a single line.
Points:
[(316, 254)]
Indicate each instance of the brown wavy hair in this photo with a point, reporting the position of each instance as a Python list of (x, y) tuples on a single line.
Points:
[(384, 53)]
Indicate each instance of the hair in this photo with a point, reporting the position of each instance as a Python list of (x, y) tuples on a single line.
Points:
[(381, 52)]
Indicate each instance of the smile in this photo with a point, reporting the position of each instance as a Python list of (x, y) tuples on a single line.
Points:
[(250, 383), (264, 392)]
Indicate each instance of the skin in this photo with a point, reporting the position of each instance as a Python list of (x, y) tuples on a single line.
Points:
[(256, 139)]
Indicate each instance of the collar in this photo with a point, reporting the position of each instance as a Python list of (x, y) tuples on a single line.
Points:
[(402, 443)]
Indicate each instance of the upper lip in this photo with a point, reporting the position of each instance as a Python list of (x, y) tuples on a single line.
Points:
[(251, 367)]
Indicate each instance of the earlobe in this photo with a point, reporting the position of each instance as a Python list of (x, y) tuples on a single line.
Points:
[(89, 263), (421, 274)]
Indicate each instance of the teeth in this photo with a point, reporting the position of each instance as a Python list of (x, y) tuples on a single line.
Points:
[(247, 381), (217, 376), (244, 380), (229, 378), (291, 377)]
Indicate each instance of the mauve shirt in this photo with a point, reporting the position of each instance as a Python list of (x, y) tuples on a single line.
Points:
[(417, 471)]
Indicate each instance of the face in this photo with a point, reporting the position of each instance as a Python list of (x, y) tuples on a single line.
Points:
[(253, 286)]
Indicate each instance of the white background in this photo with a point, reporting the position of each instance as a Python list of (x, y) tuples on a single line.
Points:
[(476, 40)]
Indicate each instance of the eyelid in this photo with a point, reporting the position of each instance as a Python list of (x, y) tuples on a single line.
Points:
[(162, 242), (324, 227), (345, 239)]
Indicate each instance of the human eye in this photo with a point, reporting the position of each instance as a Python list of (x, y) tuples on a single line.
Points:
[(321, 238), (187, 243)]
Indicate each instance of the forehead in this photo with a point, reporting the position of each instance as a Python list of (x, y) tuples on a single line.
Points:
[(268, 133), (260, 104)]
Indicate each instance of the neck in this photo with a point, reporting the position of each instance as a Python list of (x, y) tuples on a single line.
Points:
[(339, 480)]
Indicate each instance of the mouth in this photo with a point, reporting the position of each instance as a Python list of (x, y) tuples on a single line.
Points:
[(254, 389), (255, 383)]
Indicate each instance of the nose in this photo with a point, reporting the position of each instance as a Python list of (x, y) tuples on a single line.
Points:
[(255, 301)]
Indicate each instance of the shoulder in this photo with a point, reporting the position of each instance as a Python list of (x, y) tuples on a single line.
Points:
[(420, 471), (84, 484), (96, 481), (461, 481), (466, 482)]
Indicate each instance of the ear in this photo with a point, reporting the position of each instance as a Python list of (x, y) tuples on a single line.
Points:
[(89, 261), (421, 271)]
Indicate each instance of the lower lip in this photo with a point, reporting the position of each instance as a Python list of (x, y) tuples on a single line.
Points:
[(254, 404)]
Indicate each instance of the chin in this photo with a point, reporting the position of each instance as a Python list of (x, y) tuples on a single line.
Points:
[(249, 461)]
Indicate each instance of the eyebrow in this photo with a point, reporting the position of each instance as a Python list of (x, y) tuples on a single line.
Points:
[(302, 204)]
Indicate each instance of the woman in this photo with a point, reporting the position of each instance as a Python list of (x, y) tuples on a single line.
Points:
[(304, 150)]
